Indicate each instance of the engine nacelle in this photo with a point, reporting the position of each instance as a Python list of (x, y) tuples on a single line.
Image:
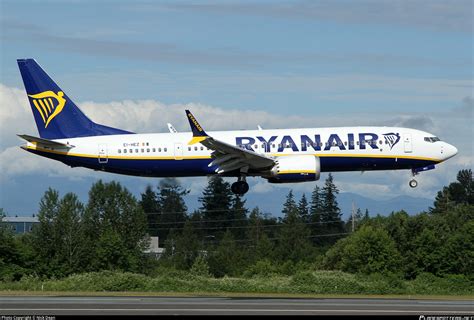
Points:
[(301, 168)]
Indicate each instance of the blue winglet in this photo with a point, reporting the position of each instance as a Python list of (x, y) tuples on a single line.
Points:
[(198, 132)]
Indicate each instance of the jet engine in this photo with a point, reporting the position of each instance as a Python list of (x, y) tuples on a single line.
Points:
[(300, 168)]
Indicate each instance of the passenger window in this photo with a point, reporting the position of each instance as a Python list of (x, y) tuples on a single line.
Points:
[(143, 150), (202, 148), (147, 150), (136, 150), (159, 149), (166, 149), (119, 151), (131, 150), (154, 150), (124, 150)]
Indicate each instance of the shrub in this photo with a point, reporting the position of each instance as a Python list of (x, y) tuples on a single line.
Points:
[(262, 268), (200, 267)]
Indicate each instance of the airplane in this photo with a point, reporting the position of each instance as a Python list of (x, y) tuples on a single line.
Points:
[(66, 134)]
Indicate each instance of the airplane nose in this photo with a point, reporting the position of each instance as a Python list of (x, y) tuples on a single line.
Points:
[(450, 151)]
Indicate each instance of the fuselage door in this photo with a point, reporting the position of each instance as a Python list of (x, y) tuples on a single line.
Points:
[(103, 157), (178, 151), (407, 143)]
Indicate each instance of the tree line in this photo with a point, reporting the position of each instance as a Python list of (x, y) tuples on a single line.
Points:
[(223, 237)]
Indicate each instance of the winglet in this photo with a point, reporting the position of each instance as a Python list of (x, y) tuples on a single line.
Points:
[(198, 132), (171, 128)]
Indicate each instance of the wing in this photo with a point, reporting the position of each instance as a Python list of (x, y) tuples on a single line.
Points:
[(171, 128), (228, 157)]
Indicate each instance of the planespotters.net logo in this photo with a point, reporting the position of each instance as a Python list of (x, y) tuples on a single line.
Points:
[(423, 317)]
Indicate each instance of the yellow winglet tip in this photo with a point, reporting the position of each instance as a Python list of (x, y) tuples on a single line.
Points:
[(195, 140)]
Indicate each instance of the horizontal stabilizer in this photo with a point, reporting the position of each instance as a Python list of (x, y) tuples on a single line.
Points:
[(44, 142)]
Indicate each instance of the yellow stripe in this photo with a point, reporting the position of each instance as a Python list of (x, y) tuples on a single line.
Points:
[(39, 109), (42, 106), (114, 157), (51, 102), (381, 156), (47, 105), (296, 171), (195, 140), (209, 157)]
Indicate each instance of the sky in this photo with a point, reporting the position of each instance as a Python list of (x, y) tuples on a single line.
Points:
[(137, 65)]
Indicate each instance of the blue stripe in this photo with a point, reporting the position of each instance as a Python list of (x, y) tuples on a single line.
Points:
[(199, 167)]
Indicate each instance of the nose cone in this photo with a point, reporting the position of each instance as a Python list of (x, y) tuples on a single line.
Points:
[(449, 151)]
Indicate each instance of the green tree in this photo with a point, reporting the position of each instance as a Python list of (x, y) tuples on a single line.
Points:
[(113, 215), (57, 242), (227, 258), (331, 222), (293, 240), (173, 207), (69, 234), (11, 260), (459, 251), (303, 209), (238, 217), (260, 245), (331, 214), (315, 211), (216, 205), (369, 250), (186, 248), (289, 207), (45, 238), (428, 252), (151, 207), (458, 192)]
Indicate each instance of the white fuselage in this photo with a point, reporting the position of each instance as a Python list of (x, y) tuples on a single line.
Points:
[(339, 149)]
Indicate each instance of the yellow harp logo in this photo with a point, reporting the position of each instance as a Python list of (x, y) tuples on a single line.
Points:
[(48, 104)]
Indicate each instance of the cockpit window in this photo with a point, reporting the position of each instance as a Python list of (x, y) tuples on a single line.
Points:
[(432, 139)]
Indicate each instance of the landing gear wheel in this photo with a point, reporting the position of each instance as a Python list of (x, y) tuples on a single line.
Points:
[(240, 187), (413, 183)]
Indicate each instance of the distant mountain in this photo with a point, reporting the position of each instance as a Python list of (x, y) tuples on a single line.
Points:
[(272, 202), (383, 207)]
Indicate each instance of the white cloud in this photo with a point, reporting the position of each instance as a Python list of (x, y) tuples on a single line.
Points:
[(15, 115)]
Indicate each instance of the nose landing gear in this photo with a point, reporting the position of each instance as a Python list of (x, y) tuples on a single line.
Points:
[(413, 183)]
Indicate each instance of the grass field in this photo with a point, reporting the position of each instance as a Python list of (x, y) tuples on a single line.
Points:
[(302, 284)]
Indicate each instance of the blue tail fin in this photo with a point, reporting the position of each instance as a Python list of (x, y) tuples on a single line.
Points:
[(56, 116)]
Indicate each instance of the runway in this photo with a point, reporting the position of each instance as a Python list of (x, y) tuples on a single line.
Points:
[(228, 306)]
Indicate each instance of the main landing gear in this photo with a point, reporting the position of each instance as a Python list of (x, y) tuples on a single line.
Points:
[(413, 183), (240, 187)]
